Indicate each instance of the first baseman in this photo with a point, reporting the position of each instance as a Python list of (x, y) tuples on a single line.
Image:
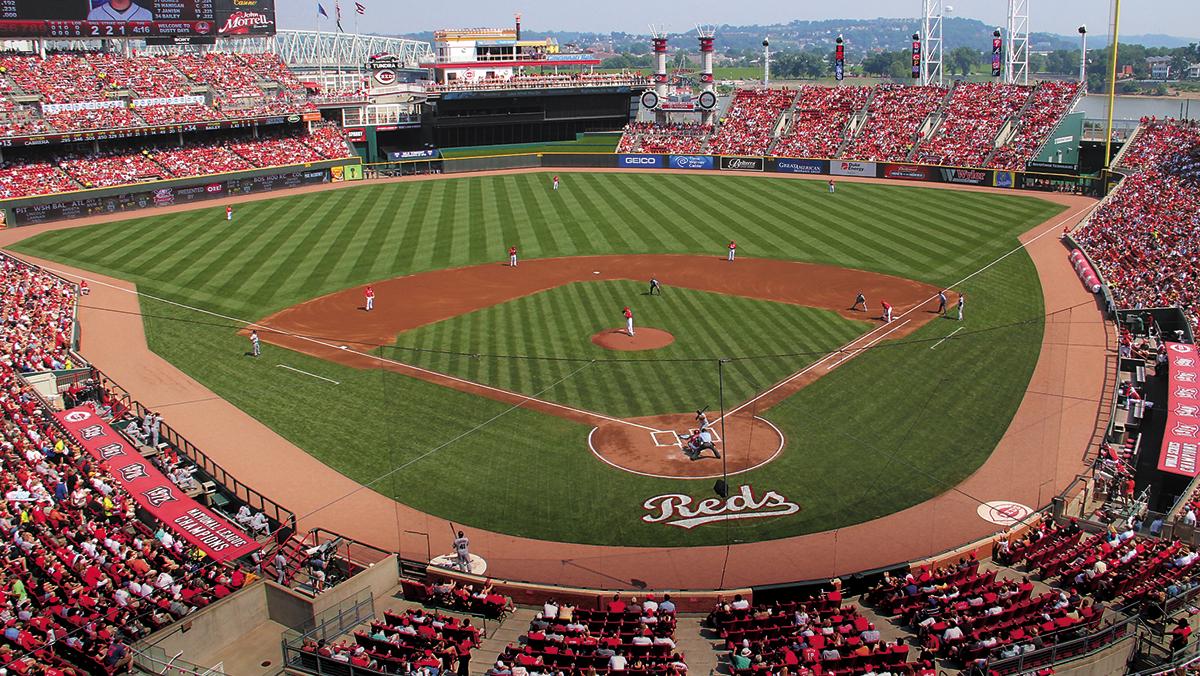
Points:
[(628, 320)]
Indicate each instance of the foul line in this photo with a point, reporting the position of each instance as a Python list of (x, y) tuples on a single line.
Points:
[(522, 398), (947, 337), (290, 368), (859, 350)]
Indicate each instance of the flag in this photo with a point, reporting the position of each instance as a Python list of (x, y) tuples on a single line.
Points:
[(337, 10), (321, 11), (360, 8)]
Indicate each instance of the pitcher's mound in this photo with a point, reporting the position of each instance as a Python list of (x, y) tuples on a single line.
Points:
[(642, 339)]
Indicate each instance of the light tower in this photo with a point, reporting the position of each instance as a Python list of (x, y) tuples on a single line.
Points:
[(658, 36), (766, 62), (1083, 53), (1016, 69), (705, 35), (931, 65)]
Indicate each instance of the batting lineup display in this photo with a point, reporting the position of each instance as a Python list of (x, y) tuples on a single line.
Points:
[(135, 18)]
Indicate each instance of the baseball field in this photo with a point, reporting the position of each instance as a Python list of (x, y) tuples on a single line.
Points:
[(898, 421)]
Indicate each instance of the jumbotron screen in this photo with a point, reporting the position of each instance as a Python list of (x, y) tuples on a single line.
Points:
[(135, 18)]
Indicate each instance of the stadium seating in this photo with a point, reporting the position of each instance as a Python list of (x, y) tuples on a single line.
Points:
[(1052, 100), (971, 121), (819, 120), (81, 571), (894, 116), (632, 637), (401, 644), (750, 122), (71, 171), (678, 138), (1145, 239)]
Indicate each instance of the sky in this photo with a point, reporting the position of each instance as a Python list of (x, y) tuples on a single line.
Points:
[(1171, 17)]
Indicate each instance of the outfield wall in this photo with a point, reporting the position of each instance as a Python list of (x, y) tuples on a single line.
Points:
[(83, 203)]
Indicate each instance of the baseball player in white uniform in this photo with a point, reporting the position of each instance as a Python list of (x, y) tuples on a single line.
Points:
[(962, 298), (628, 320), (462, 555)]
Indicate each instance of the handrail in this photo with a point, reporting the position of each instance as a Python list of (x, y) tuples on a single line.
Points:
[(1064, 650), (239, 490)]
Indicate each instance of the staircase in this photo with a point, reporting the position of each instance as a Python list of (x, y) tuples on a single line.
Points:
[(932, 123), (855, 124), (506, 633), (1011, 127), (781, 124)]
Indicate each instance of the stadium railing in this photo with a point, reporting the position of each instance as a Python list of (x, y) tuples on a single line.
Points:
[(1063, 651)]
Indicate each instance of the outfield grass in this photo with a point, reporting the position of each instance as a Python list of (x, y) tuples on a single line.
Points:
[(559, 322), (853, 452)]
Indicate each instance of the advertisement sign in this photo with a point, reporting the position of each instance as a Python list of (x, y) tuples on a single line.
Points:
[(354, 172), (916, 59), (1181, 438), (966, 176), (1051, 167), (997, 56), (1003, 179), (852, 168), (82, 19), (640, 161), (909, 172), (742, 164), (396, 156), (678, 106), (839, 61), (691, 162), (356, 134), (143, 198), (788, 166), (152, 491)]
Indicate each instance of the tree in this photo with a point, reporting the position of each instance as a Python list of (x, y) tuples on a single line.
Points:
[(962, 60)]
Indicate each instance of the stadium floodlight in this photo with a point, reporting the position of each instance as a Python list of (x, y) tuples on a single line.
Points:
[(1083, 53)]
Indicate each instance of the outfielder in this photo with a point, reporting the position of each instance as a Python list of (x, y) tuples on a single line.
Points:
[(556, 182), (732, 249), (962, 298), (255, 344), (941, 303), (370, 293), (832, 187), (860, 299), (628, 321), (887, 311), (512, 256), (655, 287), (228, 213)]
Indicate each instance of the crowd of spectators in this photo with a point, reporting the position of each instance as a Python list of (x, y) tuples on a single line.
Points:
[(819, 120), (83, 577), (681, 138), (75, 170), (1145, 238), (814, 636), (415, 641), (749, 124), (626, 636), (971, 122), (624, 79), (1051, 102), (237, 85), (894, 117)]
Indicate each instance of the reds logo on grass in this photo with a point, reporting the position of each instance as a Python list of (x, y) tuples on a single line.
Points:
[(678, 510)]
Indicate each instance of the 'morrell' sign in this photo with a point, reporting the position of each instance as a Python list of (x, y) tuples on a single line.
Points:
[(683, 511)]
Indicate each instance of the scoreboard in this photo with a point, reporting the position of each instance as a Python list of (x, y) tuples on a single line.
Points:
[(94, 19)]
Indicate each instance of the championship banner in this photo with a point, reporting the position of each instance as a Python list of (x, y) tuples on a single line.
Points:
[(916, 59), (154, 492), (1182, 434), (839, 61), (997, 56)]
